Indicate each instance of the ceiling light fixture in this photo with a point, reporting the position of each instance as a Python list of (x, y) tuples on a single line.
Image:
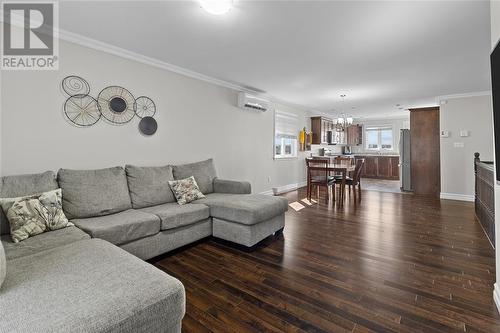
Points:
[(343, 121), (216, 7)]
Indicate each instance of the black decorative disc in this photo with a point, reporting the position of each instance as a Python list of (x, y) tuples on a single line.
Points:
[(117, 104), (148, 126), (144, 107), (82, 110), (75, 85)]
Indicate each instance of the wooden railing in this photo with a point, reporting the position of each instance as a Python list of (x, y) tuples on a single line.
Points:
[(485, 196)]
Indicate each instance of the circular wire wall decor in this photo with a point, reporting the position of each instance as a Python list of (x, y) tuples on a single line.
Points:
[(82, 110), (144, 107), (148, 126), (117, 104), (75, 85)]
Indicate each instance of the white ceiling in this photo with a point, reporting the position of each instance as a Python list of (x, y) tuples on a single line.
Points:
[(378, 53)]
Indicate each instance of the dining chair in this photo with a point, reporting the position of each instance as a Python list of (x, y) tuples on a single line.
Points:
[(356, 179), (340, 178), (343, 160), (319, 176)]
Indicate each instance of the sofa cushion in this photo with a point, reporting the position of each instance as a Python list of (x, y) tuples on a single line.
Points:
[(244, 208), (90, 193), (42, 242), (148, 186), (121, 227), (89, 286), (203, 172), (173, 215), (23, 185)]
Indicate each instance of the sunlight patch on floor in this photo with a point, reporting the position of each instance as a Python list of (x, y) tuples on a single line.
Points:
[(296, 206), (307, 202)]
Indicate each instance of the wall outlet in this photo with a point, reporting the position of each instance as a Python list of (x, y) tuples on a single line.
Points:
[(458, 144), (445, 134), (464, 133)]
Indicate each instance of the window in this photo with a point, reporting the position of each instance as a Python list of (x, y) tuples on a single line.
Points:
[(379, 138), (285, 135)]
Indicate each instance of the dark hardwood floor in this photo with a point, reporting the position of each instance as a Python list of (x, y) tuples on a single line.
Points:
[(393, 263)]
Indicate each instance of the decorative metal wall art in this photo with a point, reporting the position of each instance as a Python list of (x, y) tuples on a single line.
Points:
[(115, 104), (148, 126), (82, 110), (75, 85), (145, 107)]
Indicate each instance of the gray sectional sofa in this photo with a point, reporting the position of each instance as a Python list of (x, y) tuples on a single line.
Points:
[(84, 279)]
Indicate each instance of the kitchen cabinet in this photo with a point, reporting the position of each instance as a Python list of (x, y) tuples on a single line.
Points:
[(370, 168), (320, 127), (379, 166), (354, 135)]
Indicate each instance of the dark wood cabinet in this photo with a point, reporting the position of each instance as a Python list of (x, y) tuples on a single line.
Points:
[(371, 166), (354, 135), (320, 127), (425, 151), (394, 166), (383, 167)]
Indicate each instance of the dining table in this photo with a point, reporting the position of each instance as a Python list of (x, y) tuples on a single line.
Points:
[(333, 168)]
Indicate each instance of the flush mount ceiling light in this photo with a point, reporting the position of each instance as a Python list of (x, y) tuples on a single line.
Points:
[(216, 7)]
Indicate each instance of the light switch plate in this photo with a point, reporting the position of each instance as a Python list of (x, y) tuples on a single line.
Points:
[(464, 133), (445, 134)]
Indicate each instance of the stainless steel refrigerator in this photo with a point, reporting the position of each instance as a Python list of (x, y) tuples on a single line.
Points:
[(405, 160)]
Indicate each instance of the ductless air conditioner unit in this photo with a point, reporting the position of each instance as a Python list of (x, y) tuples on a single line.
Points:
[(249, 102)]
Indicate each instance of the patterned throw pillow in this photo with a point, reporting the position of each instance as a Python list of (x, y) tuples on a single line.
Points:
[(185, 190), (34, 214)]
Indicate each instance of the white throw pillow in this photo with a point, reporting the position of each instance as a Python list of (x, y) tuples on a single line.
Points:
[(3, 264), (34, 214), (185, 190)]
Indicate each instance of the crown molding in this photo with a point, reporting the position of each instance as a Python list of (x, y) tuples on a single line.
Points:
[(137, 57), (130, 55), (465, 95)]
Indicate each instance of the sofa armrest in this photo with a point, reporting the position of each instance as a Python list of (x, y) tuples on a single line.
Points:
[(231, 186)]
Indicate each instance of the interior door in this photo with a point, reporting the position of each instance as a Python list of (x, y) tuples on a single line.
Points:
[(425, 151)]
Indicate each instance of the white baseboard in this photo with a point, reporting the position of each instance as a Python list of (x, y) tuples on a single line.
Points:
[(270, 192), (459, 197), (288, 188), (285, 188), (496, 296)]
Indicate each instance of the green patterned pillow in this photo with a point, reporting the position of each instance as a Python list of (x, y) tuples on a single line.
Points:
[(185, 190), (34, 214)]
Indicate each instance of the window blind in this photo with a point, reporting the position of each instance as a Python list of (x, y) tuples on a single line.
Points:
[(286, 124)]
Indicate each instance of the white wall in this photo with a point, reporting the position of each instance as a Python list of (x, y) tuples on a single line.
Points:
[(495, 37), (397, 125), (196, 120), (473, 114), (495, 22)]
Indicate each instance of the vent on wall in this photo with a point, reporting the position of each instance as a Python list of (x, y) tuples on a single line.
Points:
[(249, 102)]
